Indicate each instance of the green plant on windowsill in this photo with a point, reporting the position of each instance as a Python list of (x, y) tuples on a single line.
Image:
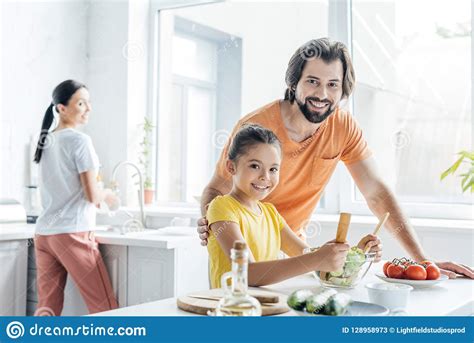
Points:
[(144, 158), (467, 181)]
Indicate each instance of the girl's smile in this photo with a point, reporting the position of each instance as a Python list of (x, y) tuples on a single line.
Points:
[(255, 174)]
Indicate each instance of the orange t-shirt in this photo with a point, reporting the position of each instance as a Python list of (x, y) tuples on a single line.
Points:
[(306, 166)]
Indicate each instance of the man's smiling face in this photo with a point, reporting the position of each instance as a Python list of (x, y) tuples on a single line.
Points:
[(319, 89)]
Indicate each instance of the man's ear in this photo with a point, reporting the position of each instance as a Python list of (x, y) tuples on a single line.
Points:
[(230, 166)]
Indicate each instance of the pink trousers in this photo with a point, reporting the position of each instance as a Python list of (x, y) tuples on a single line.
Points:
[(78, 255)]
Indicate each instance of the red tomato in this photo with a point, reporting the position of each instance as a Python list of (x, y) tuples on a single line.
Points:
[(427, 263), (416, 272), (396, 272), (385, 266), (432, 272)]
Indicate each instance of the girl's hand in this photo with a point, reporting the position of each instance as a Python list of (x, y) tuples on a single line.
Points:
[(331, 256), (372, 244)]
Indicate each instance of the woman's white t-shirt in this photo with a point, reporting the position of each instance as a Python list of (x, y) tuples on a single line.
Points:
[(67, 154)]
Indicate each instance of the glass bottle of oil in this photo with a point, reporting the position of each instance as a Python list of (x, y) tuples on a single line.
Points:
[(236, 300)]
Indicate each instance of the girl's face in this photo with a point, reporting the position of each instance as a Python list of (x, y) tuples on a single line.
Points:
[(77, 110), (257, 172)]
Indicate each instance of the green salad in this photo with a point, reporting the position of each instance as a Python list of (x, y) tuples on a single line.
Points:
[(349, 273)]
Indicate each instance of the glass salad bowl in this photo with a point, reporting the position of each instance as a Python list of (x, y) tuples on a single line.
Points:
[(355, 268)]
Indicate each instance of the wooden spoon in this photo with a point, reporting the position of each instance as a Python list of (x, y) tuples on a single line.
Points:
[(341, 234), (343, 227), (379, 226)]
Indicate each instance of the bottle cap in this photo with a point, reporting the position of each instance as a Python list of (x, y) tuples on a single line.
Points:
[(239, 245)]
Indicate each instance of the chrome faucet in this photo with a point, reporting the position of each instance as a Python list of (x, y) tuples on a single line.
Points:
[(140, 191)]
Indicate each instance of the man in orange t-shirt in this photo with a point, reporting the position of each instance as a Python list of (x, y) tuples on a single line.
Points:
[(315, 134)]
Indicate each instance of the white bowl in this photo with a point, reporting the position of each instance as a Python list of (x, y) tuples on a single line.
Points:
[(414, 283), (393, 296)]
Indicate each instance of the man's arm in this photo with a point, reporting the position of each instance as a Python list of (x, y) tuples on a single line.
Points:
[(217, 186), (381, 199)]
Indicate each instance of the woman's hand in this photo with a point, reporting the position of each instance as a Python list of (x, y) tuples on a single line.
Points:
[(203, 230), (111, 199), (331, 256), (372, 244)]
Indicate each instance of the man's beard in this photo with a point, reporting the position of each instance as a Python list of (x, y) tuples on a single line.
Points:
[(315, 117)]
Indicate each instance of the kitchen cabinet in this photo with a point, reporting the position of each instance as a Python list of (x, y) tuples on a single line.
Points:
[(116, 260), (150, 274), (155, 274), (13, 277), (192, 270), (142, 274)]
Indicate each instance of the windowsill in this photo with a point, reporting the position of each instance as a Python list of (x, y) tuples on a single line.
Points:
[(425, 224)]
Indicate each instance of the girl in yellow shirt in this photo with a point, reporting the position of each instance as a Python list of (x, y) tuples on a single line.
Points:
[(254, 160)]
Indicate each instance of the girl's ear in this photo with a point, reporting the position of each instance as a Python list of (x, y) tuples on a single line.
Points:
[(230, 166)]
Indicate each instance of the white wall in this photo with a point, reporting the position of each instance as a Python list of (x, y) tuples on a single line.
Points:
[(95, 42), (117, 75), (107, 80), (43, 43), (137, 55)]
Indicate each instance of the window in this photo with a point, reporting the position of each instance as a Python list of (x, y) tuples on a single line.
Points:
[(186, 145), (199, 95), (413, 98)]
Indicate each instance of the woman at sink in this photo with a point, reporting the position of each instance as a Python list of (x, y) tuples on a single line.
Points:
[(64, 242), (254, 160)]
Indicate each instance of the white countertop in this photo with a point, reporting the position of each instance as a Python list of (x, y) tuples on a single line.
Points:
[(451, 297), (11, 232), (167, 238), (163, 238)]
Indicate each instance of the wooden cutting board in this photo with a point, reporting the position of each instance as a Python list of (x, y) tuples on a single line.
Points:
[(195, 302)]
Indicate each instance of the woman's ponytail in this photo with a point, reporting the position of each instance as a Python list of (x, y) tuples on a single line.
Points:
[(45, 126)]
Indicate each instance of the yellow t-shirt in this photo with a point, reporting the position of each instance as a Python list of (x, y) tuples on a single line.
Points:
[(261, 233)]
